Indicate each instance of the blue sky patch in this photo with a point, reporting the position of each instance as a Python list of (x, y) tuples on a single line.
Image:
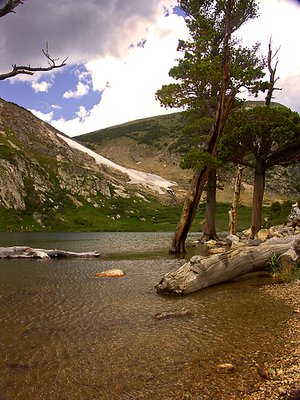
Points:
[(63, 96)]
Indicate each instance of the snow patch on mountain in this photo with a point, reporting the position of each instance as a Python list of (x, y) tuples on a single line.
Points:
[(152, 181)]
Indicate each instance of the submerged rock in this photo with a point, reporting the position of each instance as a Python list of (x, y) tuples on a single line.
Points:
[(173, 314), (111, 273), (226, 367)]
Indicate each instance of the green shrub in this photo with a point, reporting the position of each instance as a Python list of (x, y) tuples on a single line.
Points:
[(285, 274)]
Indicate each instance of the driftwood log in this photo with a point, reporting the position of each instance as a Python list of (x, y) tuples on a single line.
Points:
[(201, 271), (28, 252)]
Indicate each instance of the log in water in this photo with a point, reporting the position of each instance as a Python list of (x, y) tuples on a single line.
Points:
[(200, 272), (22, 252)]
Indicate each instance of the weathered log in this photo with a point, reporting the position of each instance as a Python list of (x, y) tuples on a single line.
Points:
[(24, 252), (201, 271)]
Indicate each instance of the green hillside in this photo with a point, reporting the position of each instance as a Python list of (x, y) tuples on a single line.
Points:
[(144, 131)]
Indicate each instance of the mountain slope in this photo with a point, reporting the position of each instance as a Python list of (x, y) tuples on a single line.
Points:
[(51, 182), (154, 145), (48, 181)]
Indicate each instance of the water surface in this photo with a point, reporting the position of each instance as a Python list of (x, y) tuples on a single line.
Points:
[(66, 334)]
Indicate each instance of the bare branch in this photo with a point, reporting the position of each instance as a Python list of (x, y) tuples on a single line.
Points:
[(272, 71), (9, 7), (28, 70)]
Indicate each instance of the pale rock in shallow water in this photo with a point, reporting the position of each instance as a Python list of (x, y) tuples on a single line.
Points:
[(111, 273), (217, 250), (226, 366), (211, 243)]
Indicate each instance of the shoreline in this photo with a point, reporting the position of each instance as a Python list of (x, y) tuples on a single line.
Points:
[(282, 380)]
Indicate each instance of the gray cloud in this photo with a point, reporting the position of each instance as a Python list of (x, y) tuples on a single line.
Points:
[(78, 29)]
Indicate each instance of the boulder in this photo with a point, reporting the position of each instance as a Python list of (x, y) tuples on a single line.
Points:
[(111, 273), (232, 238), (263, 234)]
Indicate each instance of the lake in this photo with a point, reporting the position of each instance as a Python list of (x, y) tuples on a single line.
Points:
[(68, 335)]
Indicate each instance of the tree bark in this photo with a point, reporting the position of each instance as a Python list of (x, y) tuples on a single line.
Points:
[(21, 252), (9, 6), (200, 175), (233, 220), (189, 210), (209, 232), (201, 272), (258, 194), (272, 72)]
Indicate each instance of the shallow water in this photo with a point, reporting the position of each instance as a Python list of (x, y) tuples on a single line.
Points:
[(66, 334)]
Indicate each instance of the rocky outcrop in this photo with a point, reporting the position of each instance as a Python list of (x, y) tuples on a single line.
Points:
[(38, 169), (12, 187)]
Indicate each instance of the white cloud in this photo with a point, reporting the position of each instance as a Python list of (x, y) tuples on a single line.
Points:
[(82, 114), (81, 90), (128, 75), (56, 107), (129, 84), (80, 30), (279, 19), (41, 86), (44, 117)]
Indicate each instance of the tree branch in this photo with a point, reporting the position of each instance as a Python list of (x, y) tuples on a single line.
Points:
[(272, 71), (28, 70), (9, 7)]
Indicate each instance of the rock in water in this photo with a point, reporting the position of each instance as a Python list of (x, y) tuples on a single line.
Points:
[(173, 314), (111, 273)]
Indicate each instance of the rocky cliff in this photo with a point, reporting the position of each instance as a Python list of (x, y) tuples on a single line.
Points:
[(42, 176)]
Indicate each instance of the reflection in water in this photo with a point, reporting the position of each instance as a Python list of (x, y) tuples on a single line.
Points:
[(66, 334)]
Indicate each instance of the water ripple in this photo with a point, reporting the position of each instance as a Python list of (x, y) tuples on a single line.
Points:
[(66, 334)]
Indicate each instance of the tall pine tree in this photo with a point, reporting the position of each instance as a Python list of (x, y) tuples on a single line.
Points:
[(214, 68)]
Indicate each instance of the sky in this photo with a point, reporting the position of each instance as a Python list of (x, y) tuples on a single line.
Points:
[(119, 54)]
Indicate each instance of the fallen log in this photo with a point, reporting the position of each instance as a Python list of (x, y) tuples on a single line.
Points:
[(23, 252), (203, 271)]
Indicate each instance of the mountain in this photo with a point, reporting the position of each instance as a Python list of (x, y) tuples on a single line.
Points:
[(124, 178), (49, 181), (154, 144)]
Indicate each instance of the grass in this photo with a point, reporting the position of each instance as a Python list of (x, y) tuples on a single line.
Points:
[(285, 273), (146, 131), (117, 214)]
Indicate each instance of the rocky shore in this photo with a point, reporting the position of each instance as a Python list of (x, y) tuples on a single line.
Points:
[(281, 378)]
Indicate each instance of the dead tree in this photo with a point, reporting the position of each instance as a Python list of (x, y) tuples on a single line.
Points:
[(28, 70), (200, 271), (24, 252), (9, 7), (233, 216), (272, 73)]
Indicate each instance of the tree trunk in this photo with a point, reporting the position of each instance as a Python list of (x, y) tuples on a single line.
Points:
[(233, 220), (200, 175), (272, 72), (27, 252), (189, 210), (258, 194), (211, 203), (201, 272)]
